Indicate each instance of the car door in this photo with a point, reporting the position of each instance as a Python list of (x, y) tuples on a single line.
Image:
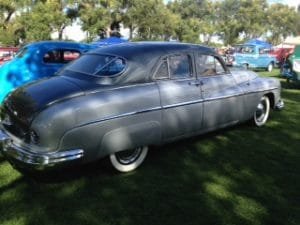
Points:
[(223, 99), (180, 96)]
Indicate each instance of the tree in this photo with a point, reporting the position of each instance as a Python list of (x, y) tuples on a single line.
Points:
[(151, 20), (99, 18), (253, 17), (282, 22), (7, 27), (44, 18), (230, 26), (191, 13)]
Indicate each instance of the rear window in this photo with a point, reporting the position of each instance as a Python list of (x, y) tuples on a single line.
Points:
[(98, 65)]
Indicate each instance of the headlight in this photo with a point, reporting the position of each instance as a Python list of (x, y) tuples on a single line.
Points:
[(34, 138)]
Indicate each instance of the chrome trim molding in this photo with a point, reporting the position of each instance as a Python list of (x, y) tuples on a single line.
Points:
[(3, 137), (182, 104)]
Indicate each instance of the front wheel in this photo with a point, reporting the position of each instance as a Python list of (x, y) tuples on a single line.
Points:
[(128, 160), (262, 111)]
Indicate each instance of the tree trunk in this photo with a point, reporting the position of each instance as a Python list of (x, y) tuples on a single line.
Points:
[(130, 32)]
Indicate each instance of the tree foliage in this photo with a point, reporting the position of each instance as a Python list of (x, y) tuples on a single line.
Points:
[(182, 20), (282, 22)]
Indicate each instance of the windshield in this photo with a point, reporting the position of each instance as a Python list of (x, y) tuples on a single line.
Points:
[(98, 65), (21, 52)]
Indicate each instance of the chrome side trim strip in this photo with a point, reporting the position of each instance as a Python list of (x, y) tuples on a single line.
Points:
[(182, 104)]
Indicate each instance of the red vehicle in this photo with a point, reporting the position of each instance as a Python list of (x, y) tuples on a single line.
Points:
[(281, 54), (7, 53)]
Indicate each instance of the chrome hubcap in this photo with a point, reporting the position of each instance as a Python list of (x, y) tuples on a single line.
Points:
[(260, 112), (128, 156)]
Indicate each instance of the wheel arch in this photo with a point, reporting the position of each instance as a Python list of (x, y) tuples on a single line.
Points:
[(131, 136), (271, 97)]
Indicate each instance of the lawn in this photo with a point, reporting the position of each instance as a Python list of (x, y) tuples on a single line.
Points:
[(241, 175)]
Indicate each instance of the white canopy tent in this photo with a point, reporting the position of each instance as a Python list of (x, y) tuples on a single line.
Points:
[(292, 40)]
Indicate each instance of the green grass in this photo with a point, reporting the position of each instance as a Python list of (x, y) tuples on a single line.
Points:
[(241, 175)]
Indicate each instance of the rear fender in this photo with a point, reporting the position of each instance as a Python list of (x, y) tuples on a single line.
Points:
[(131, 136)]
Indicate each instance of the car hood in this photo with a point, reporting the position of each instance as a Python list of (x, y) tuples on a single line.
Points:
[(27, 100)]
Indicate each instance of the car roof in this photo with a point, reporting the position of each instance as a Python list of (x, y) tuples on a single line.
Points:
[(142, 57), (67, 44), (151, 49)]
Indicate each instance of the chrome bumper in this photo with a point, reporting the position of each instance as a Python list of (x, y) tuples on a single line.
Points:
[(33, 160), (279, 105)]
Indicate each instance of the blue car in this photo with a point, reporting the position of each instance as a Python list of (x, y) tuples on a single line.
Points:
[(37, 60), (255, 56)]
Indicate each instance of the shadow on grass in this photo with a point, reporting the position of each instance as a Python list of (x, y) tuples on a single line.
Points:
[(240, 175), (290, 84)]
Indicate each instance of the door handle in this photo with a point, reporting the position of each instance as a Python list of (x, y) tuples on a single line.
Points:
[(196, 82)]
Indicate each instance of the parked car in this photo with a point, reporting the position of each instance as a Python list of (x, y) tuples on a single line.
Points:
[(37, 60), (253, 56), (118, 100), (281, 55), (7, 53), (291, 67)]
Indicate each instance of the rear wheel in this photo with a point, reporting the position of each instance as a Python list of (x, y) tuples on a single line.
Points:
[(128, 160), (262, 112), (270, 67)]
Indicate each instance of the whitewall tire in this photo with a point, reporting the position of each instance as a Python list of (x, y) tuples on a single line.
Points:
[(270, 67), (262, 111), (128, 160)]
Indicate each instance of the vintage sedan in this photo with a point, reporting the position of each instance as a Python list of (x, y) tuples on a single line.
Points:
[(37, 60), (116, 101)]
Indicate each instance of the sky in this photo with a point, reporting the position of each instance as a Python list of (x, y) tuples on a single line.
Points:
[(288, 2), (75, 33)]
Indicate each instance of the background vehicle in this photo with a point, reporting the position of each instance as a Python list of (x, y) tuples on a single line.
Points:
[(254, 55), (7, 53), (37, 60), (281, 54), (291, 67)]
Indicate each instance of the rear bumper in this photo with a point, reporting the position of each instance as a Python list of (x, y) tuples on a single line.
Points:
[(24, 158)]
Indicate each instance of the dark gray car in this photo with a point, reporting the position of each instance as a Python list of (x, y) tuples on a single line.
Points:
[(118, 100)]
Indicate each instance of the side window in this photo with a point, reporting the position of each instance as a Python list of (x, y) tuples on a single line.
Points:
[(114, 66), (163, 71), (175, 67), (209, 65), (70, 55), (180, 66), (60, 56)]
